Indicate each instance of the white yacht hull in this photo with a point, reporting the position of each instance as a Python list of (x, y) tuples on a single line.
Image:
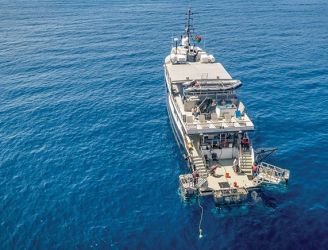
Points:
[(175, 122)]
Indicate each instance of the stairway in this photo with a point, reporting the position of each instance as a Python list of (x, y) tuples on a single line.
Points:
[(199, 166), (246, 162), (198, 161)]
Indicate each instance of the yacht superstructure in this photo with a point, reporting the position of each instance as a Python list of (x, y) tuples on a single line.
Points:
[(211, 124)]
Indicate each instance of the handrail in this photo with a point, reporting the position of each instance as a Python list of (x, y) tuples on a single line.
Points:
[(207, 92), (252, 151), (188, 125), (240, 156), (272, 173), (230, 191)]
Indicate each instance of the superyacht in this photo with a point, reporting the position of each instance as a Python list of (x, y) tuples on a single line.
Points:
[(212, 126)]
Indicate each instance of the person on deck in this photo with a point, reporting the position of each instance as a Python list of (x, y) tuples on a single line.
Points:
[(195, 176), (245, 143), (254, 169), (197, 111), (235, 165)]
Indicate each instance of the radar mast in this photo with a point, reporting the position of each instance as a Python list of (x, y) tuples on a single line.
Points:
[(189, 26)]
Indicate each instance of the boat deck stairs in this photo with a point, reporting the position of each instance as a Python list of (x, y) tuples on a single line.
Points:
[(200, 167), (246, 162)]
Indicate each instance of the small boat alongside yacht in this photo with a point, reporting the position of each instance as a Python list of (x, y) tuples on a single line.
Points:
[(211, 124)]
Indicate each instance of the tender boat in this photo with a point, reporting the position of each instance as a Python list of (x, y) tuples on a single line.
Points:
[(212, 126)]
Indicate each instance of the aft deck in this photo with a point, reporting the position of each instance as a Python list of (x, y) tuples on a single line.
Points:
[(226, 178), (214, 123)]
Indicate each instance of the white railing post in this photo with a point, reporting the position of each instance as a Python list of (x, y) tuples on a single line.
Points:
[(253, 154)]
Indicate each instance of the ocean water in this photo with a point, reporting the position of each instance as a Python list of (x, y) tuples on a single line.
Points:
[(87, 155)]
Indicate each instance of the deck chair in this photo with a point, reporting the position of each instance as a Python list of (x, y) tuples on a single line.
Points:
[(227, 117), (201, 118), (189, 119), (214, 117), (190, 122)]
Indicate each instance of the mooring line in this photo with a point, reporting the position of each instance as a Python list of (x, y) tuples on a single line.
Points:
[(201, 219)]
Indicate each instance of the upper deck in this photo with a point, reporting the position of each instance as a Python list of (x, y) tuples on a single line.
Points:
[(220, 118), (202, 93)]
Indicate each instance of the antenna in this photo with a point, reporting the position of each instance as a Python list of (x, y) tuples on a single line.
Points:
[(176, 44), (189, 25)]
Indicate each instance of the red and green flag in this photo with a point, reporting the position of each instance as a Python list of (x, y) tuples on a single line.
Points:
[(197, 39)]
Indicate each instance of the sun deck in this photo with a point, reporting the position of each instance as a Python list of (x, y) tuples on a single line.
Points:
[(196, 71)]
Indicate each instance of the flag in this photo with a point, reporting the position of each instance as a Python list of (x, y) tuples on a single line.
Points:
[(197, 38)]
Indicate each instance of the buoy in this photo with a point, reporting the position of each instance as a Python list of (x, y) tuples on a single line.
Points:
[(200, 233), (235, 184)]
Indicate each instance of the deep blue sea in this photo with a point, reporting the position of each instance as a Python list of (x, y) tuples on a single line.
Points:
[(87, 155)]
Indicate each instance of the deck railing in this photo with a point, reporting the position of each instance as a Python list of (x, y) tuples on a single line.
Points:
[(272, 174), (217, 124)]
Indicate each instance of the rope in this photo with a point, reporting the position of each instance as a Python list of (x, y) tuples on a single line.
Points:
[(201, 219)]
